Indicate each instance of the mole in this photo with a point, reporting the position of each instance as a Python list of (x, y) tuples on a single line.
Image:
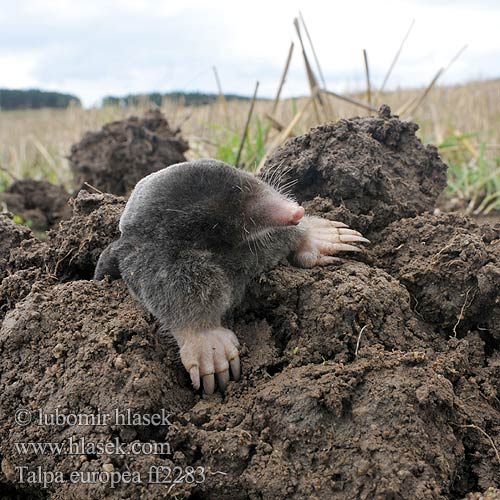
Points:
[(193, 235)]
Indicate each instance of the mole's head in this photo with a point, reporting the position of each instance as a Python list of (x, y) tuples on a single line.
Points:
[(211, 203)]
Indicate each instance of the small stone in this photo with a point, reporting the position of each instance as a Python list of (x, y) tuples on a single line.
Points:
[(8, 470), (120, 363), (422, 393), (58, 351), (108, 468)]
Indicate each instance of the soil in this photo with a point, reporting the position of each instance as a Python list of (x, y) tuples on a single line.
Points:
[(115, 158), (39, 203), (11, 236), (68, 253), (377, 378), (451, 267)]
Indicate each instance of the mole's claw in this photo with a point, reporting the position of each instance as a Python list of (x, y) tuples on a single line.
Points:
[(235, 367), (207, 353), (349, 231), (222, 380), (343, 247), (352, 237), (208, 383), (194, 373), (324, 238), (326, 223), (338, 236)]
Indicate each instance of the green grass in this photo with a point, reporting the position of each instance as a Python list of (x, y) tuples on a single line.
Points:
[(5, 181), (473, 175), (228, 141), (19, 220)]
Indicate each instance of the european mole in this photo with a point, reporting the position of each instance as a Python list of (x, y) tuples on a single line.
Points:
[(193, 235)]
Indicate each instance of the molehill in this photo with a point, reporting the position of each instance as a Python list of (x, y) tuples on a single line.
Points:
[(115, 158), (377, 378)]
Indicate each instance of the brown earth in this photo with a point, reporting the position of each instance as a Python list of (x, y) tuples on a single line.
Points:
[(11, 236), (451, 267), (68, 253), (367, 380), (115, 158), (39, 203)]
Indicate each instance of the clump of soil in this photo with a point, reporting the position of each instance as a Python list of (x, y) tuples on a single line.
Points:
[(72, 251), (367, 172), (450, 265), (39, 203), (69, 253), (11, 236), (352, 306), (350, 389), (489, 494), (83, 345), (115, 158)]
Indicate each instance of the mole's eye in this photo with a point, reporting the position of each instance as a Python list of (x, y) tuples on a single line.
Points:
[(237, 189)]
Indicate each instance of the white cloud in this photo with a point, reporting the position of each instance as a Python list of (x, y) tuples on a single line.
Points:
[(18, 70)]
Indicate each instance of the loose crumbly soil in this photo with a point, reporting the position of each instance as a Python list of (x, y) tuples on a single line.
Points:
[(115, 158), (39, 203), (374, 379)]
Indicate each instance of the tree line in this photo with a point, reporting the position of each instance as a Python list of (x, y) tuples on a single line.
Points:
[(187, 98), (35, 99)]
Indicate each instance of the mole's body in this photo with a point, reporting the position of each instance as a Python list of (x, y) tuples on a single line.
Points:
[(192, 236)]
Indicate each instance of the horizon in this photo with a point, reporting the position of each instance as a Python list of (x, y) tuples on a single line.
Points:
[(243, 96)]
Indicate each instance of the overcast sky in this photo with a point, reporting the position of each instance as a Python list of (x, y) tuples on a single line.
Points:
[(94, 48)]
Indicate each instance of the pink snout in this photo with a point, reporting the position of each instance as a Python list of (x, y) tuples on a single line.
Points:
[(296, 215), (284, 212)]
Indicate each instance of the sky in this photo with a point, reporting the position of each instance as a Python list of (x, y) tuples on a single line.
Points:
[(94, 48)]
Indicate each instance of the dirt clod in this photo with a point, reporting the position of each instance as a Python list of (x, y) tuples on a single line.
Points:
[(11, 236), (69, 253), (450, 266), (38, 203), (72, 251), (115, 158)]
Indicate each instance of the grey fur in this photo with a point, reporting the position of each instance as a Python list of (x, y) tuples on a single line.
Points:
[(192, 237), (107, 264)]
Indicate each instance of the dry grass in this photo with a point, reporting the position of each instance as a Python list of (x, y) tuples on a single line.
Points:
[(464, 119)]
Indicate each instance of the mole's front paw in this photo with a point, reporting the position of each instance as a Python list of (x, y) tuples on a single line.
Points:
[(208, 354), (325, 238)]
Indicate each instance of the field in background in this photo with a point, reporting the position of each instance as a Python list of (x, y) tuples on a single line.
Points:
[(463, 121)]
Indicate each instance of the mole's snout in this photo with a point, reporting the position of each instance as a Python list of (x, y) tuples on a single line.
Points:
[(275, 210), (297, 215), (284, 212)]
